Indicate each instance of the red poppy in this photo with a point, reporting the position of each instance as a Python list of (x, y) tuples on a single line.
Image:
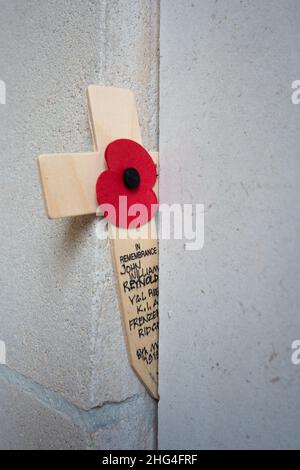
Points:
[(127, 184)]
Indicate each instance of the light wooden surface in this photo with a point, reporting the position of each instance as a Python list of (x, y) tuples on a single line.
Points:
[(113, 115), (68, 182), (137, 303)]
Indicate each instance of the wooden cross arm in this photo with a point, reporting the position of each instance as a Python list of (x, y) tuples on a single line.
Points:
[(69, 182)]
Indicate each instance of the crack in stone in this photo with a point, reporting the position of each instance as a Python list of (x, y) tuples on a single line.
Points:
[(87, 420)]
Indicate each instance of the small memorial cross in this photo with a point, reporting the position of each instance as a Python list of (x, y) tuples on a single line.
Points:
[(119, 168)]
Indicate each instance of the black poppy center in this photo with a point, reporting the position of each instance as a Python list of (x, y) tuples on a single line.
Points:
[(131, 178)]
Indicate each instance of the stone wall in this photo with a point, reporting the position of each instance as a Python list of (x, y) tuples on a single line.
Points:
[(67, 382), (229, 139)]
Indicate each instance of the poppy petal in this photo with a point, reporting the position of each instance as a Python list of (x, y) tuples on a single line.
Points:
[(121, 206), (125, 153)]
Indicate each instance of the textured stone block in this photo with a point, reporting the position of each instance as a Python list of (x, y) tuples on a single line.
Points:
[(33, 417), (229, 137)]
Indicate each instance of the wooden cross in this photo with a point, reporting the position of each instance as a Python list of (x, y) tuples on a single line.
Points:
[(68, 183)]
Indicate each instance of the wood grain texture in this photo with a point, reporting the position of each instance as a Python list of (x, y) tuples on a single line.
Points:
[(113, 115), (137, 285), (68, 182)]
